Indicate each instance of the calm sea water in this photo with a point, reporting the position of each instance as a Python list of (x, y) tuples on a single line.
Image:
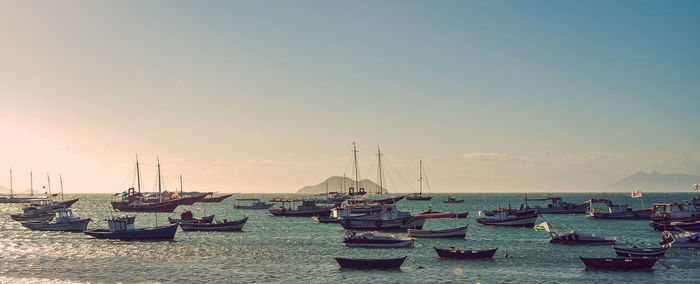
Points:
[(296, 250)]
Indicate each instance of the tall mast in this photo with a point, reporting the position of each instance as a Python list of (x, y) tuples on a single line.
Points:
[(357, 172), (31, 183), (159, 184), (180, 184), (48, 180), (342, 189), (60, 178), (420, 169), (11, 195), (379, 155), (138, 173)]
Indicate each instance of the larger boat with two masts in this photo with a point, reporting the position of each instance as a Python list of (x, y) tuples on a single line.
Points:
[(134, 201)]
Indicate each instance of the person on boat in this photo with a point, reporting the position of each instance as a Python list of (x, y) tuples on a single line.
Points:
[(186, 215)]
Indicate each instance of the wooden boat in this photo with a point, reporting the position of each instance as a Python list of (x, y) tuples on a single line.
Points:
[(225, 226), (668, 225), (65, 221), (372, 263), (620, 263), (615, 211), (376, 240), (390, 200), (434, 215), (458, 232), (680, 240), (215, 199), (510, 217), (453, 252), (122, 228), (251, 203), (189, 200), (419, 195), (132, 201), (556, 206), (453, 200), (684, 211), (454, 215), (578, 238), (307, 208), (186, 217), (389, 219), (33, 213), (640, 252)]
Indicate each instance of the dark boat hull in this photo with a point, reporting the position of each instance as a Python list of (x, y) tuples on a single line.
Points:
[(192, 199), (206, 219), (215, 227), (154, 233), (693, 226), (304, 213), (619, 263), (68, 203), (215, 199), (357, 263), (640, 252), (464, 254), (167, 206)]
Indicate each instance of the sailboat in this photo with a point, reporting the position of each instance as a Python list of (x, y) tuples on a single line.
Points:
[(12, 198), (133, 201), (419, 195)]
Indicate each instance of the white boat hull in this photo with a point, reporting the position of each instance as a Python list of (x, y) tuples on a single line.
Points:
[(378, 225), (79, 226), (516, 222)]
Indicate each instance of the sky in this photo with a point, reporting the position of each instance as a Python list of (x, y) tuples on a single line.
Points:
[(269, 96)]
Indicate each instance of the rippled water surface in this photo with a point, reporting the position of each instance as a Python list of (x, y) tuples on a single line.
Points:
[(284, 249)]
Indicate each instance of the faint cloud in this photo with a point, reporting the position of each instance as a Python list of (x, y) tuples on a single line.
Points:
[(495, 157), (260, 164), (582, 159)]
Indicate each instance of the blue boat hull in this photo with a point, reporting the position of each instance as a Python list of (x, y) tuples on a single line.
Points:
[(153, 233)]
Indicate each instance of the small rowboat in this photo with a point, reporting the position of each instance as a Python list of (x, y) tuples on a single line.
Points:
[(205, 219), (225, 226), (459, 253), (458, 232), (640, 252), (620, 262), (372, 263)]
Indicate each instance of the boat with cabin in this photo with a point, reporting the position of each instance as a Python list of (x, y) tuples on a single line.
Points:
[(556, 206), (685, 211), (390, 218), (251, 203), (615, 211), (577, 238), (692, 226), (122, 228), (65, 221), (680, 240), (370, 263), (223, 226), (307, 208), (34, 213), (619, 262), (376, 240), (455, 253)]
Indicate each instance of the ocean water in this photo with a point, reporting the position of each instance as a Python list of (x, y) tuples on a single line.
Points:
[(297, 250)]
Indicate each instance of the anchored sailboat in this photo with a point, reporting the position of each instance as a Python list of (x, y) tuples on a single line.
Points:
[(419, 195)]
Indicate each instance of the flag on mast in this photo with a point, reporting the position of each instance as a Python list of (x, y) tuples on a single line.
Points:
[(543, 226), (636, 194)]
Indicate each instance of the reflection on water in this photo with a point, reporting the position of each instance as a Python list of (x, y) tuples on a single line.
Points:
[(286, 249)]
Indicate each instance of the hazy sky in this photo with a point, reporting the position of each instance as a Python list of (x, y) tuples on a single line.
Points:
[(268, 96)]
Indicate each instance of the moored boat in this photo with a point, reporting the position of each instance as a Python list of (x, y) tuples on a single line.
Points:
[(419, 195), (458, 232), (33, 213), (390, 218), (251, 203), (640, 252), (370, 263), (122, 228), (376, 240), (510, 217), (187, 217), (213, 199), (65, 221), (620, 262), (682, 211), (577, 238), (680, 240), (453, 200), (615, 211), (556, 206), (668, 225), (224, 226), (453, 252), (307, 208)]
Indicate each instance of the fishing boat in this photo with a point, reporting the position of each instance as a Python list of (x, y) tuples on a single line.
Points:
[(556, 206), (34, 213), (620, 262), (217, 199), (307, 208), (419, 195), (390, 218), (453, 200), (336, 214), (376, 240), (509, 217), (251, 203), (65, 221), (458, 232), (577, 238), (680, 240), (454, 215), (187, 217), (615, 211), (224, 226), (371, 263), (453, 252), (640, 252), (122, 228), (685, 211)]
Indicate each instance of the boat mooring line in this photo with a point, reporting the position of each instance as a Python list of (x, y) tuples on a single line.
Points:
[(419, 267)]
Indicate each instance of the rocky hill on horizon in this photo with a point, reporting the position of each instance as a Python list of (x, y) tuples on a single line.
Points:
[(335, 184), (656, 181)]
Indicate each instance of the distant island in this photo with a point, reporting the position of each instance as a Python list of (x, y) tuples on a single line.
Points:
[(656, 181), (335, 184)]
